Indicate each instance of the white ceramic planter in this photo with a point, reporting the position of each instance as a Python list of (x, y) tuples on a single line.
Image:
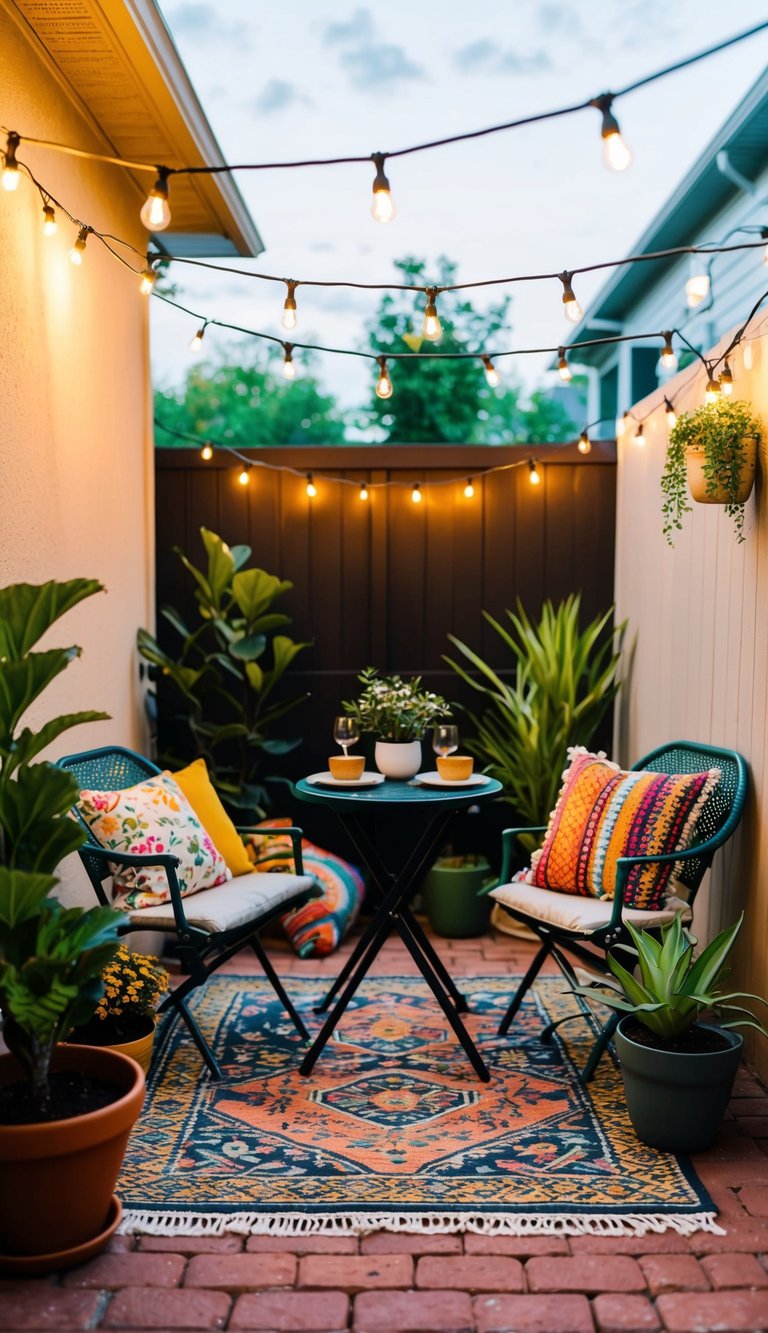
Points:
[(398, 759)]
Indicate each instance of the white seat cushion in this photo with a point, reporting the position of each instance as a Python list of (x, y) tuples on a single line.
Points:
[(570, 911), (229, 905)]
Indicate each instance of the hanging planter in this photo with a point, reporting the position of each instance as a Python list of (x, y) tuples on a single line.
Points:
[(712, 454)]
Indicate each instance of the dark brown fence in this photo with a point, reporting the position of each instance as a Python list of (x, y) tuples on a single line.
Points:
[(384, 581)]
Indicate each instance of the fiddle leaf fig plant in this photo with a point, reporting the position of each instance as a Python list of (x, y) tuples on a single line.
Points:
[(722, 431), (223, 677), (51, 957)]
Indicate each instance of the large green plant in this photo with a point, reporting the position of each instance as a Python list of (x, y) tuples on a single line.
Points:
[(721, 430), (51, 957), (674, 988), (562, 684), (225, 673)]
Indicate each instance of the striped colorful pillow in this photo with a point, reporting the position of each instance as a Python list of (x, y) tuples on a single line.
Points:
[(603, 813)]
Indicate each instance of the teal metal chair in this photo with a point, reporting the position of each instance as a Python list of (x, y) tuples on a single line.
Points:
[(209, 927), (588, 928)]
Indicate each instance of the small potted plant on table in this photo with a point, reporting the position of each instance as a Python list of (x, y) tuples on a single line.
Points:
[(678, 1071), (398, 713), (714, 451), (125, 1018)]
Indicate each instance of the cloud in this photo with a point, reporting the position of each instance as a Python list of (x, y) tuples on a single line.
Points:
[(371, 66), (487, 57), (203, 21), (277, 95), (359, 28)]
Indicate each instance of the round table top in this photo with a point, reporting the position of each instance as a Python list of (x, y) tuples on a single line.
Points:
[(395, 792)]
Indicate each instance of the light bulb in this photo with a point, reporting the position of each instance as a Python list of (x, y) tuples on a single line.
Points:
[(621, 423), (616, 155), (243, 477), (363, 494), (10, 165), (668, 358), (726, 380), (585, 445), (148, 280), (491, 373), (156, 213), (49, 220), (383, 383), (431, 328), (206, 453), (563, 369), (78, 249), (196, 343), (640, 438), (383, 207), (469, 489), (533, 475), (311, 487), (697, 289), (571, 308), (712, 391), (289, 369), (670, 413), (290, 318), (416, 493)]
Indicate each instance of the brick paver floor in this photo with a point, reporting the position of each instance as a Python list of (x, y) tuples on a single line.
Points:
[(391, 1283)]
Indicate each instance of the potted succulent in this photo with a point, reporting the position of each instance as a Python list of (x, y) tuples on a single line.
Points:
[(677, 1070), (125, 1018), (65, 1112), (397, 712), (712, 453)]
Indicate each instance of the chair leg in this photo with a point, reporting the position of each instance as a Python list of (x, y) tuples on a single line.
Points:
[(278, 987), (599, 1048), (525, 985), (180, 1007)]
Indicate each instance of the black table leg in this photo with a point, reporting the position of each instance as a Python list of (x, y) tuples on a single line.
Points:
[(435, 960), (440, 995)]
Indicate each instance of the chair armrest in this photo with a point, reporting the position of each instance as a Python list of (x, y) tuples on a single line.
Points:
[(508, 836), (625, 864), (295, 834), (163, 859)]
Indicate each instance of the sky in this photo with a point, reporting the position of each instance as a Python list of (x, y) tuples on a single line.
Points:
[(310, 79)]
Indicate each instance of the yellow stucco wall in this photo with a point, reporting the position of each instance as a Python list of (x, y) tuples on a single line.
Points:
[(700, 670), (75, 424)]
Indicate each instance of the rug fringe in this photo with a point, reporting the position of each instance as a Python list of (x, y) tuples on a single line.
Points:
[(428, 1224)]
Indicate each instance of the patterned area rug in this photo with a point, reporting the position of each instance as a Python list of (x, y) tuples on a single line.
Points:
[(393, 1130)]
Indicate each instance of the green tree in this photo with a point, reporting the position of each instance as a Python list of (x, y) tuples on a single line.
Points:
[(249, 404), (450, 401)]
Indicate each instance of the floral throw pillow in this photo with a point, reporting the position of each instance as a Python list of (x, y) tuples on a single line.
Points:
[(154, 816)]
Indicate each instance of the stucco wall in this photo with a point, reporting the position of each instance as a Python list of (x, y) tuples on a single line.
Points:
[(700, 670), (75, 446)]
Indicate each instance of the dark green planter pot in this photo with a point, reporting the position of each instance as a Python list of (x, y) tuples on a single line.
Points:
[(676, 1101), (451, 900)]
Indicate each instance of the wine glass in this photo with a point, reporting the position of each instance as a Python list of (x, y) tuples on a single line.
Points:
[(445, 739), (346, 732)]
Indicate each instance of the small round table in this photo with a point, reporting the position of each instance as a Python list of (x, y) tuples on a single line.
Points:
[(396, 887)]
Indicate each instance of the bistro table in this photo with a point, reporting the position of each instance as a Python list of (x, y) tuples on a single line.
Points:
[(396, 888)]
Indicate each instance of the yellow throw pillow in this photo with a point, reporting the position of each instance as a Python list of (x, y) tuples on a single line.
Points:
[(199, 791)]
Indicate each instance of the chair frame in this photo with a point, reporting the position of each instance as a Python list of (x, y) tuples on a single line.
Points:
[(201, 952), (594, 947)]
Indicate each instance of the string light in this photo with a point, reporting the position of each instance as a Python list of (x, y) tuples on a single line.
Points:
[(585, 444), (622, 423), (670, 413), (290, 319), (571, 308), (156, 213), (491, 373), (383, 383), (363, 492), (431, 328), (416, 493), (10, 165), (196, 342), (469, 489), (244, 478), (148, 280), (49, 220), (289, 369), (533, 474), (640, 437), (668, 358), (383, 207), (563, 369), (206, 453), (726, 380), (311, 487), (616, 155), (712, 391), (698, 285), (76, 253)]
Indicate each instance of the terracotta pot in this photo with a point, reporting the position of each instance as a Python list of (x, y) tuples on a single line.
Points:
[(140, 1049), (697, 482), (398, 759), (57, 1179)]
